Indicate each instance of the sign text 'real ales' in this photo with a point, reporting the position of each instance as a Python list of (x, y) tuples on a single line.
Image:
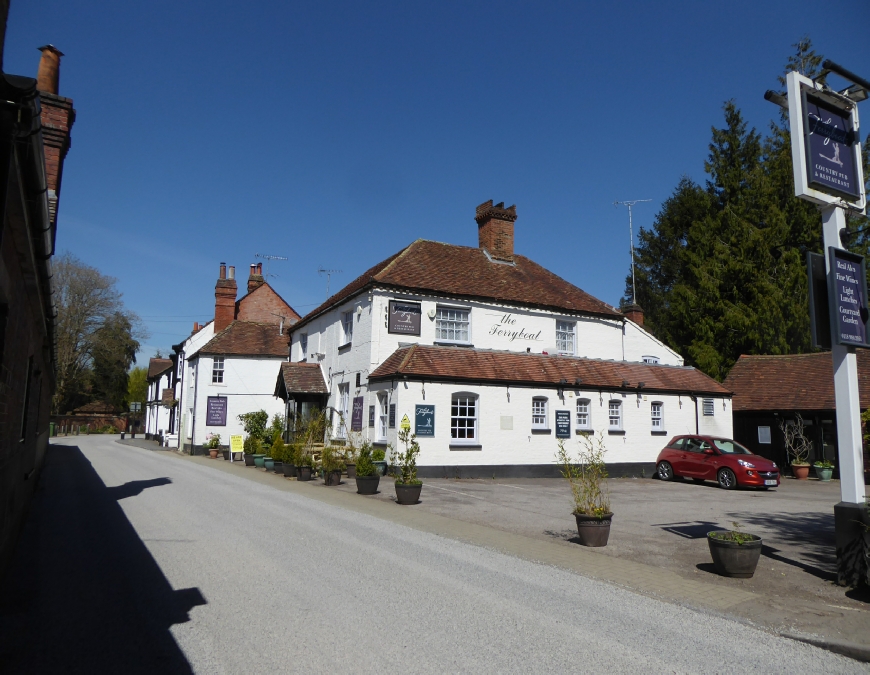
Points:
[(850, 303)]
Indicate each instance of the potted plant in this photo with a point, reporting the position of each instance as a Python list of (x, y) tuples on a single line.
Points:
[(291, 457), (254, 424), (367, 476), (587, 477), (332, 464), (735, 553), (253, 449), (824, 470), (278, 452), (305, 467), (212, 444), (379, 456), (797, 445), (350, 456), (408, 486)]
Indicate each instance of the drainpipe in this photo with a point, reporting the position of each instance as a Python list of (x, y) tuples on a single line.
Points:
[(193, 416), (695, 400)]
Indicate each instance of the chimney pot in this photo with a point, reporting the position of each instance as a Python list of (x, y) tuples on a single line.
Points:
[(225, 291), (232, 272), (495, 229), (223, 271), (48, 75)]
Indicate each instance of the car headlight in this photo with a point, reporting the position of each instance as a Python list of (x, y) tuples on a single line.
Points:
[(748, 465)]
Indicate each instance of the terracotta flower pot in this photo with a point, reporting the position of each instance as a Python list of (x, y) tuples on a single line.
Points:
[(592, 530), (800, 471), (213, 453)]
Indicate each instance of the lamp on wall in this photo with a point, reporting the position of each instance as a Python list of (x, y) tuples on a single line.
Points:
[(561, 390)]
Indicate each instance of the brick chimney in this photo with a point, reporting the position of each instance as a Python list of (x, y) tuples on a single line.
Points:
[(58, 117), (224, 299), (634, 313), (256, 279), (495, 229)]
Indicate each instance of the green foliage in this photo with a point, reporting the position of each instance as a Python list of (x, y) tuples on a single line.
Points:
[(736, 535), (253, 446), (254, 424), (212, 441), (364, 464), (306, 459), (137, 386), (280, 451), (722, 271), (824, 464), (379, 454), (587, 475), (332, 458), (405, 463)]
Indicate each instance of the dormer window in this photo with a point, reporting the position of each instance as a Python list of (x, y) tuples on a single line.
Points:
[(565, 337)]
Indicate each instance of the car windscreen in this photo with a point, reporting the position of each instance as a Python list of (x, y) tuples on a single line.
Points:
[(728, 447)]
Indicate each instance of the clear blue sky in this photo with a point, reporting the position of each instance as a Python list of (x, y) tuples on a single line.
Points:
[(335, 133)]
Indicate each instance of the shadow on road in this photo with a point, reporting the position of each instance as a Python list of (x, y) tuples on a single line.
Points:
[(84, 593)]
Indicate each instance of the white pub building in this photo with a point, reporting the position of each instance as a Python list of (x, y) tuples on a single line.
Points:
[(490, 358)]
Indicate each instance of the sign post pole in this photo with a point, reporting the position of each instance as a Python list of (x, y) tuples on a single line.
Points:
[(850, 513)]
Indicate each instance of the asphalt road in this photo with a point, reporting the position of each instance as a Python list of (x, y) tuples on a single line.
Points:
[(137, 561)]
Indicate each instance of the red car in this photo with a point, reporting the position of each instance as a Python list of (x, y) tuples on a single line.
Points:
[(721, 459)]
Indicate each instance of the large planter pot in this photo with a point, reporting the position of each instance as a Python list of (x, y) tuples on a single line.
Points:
[(249, 459), (823, 473), (592, 530), (367, 485), (381, 467), (289, 470), (735, 560), (332, 477), (351, 470), (213, 453), (269, 464), (278, 466), (260, 461), (408, 494), (304, 473), (226, 454), (800, 471)]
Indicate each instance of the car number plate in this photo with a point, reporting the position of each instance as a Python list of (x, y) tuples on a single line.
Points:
[(770, 482)]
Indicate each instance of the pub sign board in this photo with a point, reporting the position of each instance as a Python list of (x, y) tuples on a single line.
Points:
[(356, 416), (404, 317), (216, 411), (826, 146), (847, 292), (424, 420), (563, 424)]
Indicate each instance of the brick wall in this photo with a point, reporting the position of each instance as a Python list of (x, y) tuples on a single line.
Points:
[(263, 304)]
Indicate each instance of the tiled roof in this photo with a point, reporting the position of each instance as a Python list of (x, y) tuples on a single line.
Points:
[(247, 338), (791, 382), (300, 378), (462, 364), (157, 367), (463, 271), (96, 408)]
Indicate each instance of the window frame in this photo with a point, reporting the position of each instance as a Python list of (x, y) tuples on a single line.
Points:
[(383, 418), (660, 418), (465, 396), (346, 329), (651, 359), (217, 373), (343, 404), (610, 416), (588, 424), (453, 320), (572, 333), (303, 345), (540, 419)]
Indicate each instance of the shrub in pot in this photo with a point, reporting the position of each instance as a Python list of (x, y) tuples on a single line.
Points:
[(367, 476), (279, 454), (332, 464), (212, 444), (408, 486), (291, 457), (305, 467), (797, 445), (824, 470), (587, 475), (379, 458), (735, 553)]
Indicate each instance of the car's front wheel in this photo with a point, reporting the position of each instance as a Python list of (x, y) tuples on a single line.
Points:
[(727, 479), (665, 471)]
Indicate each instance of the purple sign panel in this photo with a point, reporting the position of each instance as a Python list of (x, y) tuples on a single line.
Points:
[(849, 304), (356, 417), (831, 142), (216, 411), (404, 317)]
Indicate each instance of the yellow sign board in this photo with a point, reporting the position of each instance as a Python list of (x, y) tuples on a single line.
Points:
[(237, 443), (405, 424)]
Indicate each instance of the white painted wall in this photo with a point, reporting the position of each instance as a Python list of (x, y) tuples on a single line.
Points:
[(157, 416), (185, 387)]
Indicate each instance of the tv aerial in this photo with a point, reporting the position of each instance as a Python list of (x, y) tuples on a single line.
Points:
[(629, 204), (268, 259), (328, 274)]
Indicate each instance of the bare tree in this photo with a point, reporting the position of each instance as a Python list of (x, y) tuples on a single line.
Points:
[(89, 311)]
